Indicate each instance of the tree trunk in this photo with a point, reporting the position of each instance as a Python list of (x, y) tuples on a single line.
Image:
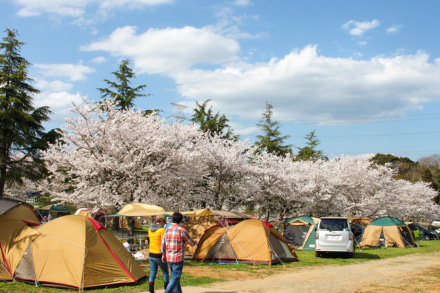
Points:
[(115, 222), (2, 180), (130, 224), (267, 214)]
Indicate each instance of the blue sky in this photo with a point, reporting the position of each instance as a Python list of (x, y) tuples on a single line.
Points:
[(365, 75)]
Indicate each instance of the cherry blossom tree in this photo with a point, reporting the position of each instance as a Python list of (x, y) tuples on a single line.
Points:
[(112, 156), (106, 156)]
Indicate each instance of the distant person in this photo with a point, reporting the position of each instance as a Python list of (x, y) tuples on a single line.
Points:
[(127, 244), (173, 245), (155, 235)]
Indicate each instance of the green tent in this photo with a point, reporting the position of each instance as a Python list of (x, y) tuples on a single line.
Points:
[(392, 230), (55, 210), (300, 232)]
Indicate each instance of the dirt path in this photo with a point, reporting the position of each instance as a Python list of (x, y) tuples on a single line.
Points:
[(411, 273)]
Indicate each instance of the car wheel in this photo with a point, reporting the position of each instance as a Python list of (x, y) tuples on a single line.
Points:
[(317, 254), (350, 254)]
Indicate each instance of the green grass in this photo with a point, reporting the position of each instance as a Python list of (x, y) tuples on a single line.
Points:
[(306, 259)]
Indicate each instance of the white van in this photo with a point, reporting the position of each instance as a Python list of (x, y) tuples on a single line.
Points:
[(333, 234)]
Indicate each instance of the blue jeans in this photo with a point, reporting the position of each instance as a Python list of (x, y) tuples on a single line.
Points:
[(156, 262), (176, 272)]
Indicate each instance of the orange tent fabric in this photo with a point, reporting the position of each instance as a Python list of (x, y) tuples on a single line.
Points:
[(15, 237), (12, 209), (250, 241), (77, 252)]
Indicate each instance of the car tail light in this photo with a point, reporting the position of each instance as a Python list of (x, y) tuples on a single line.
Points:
[(317, 235), (350, 237)]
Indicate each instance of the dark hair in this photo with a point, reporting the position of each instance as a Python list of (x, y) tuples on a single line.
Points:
[(177, 217)]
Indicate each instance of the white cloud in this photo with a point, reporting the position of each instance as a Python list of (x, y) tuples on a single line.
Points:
[(131, 4), (301, 85), (59, 7), (356, 28), (98, 60), (74, 72), (77, 8), (52, 86), (242, 2), (306, 86), (60, 103), (394, 29), (168, 50)]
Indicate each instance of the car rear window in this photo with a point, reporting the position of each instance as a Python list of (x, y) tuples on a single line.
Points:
[(333, 224)]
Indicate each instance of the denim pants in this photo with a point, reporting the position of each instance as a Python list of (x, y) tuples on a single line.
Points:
[(176, 273), (156, 262)]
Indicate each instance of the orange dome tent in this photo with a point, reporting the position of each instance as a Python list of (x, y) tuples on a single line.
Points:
[(77, 252)]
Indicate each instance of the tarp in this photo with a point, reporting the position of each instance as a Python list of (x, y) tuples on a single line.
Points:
[(393, 231), (12, 209), (77, 252), (141, 210), (359, 220), (250, 241)]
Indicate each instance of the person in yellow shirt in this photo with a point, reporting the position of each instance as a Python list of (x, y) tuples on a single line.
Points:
[(155, 235)]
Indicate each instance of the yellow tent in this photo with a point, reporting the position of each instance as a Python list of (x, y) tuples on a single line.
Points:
[(77, 252), (15, 237), (12, 209)]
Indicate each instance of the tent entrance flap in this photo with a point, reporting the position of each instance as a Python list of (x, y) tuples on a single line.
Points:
[(222, 251)]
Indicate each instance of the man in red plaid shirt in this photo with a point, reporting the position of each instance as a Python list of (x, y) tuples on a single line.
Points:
[(173, 246)]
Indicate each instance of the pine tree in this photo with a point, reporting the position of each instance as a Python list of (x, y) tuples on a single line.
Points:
[(22, 134), (272, 140), (309, 152), (214, 123), (122, 92)]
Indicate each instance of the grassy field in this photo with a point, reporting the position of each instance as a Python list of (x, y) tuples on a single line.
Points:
[(306, 259)]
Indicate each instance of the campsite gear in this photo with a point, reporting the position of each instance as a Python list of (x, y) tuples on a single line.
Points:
[(77, 252), (422, 233), (391, 230), (435, 226), (250, 242), (15, 237), (13, 209), (300, 232), (333, 234)]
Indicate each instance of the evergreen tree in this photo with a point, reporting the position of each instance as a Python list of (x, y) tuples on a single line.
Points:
[(22, 134), (122, 92), (309, 152), (214, 123), (272, 140)]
